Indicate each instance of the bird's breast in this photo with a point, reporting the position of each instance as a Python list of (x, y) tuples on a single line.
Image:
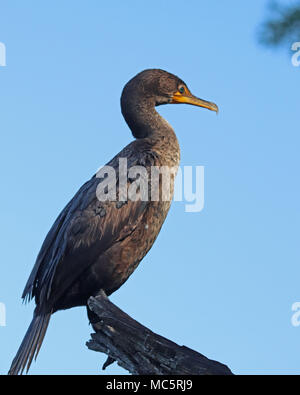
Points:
[(124, 256)]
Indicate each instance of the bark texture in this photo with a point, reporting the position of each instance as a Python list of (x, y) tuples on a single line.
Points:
[(141, 351)]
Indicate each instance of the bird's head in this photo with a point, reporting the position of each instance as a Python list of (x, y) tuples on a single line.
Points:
[(154, 87), (161, 87)]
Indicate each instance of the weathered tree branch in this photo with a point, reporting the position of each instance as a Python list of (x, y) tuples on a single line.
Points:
[(139, 350)]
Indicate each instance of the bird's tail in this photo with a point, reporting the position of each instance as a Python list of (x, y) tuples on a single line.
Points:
[(31, 344)]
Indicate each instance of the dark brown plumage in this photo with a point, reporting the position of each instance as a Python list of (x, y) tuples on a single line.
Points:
[(94, 244)]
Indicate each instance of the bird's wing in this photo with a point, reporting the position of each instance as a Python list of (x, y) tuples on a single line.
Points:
[(50, 250), (85, 229)]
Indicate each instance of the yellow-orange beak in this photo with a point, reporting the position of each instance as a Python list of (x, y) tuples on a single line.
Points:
[(188, 98)]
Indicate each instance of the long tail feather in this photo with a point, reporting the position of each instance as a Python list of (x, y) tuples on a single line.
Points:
[(31, 344)]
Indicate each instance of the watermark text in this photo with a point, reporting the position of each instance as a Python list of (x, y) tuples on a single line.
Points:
[(2, 314), (296, 316), (2, 55), (152, 183), (296, 57)]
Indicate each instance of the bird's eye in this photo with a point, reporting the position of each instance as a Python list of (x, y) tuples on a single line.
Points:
[(181, 89)]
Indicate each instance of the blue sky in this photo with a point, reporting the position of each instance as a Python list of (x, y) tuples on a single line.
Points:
[(221, 281)]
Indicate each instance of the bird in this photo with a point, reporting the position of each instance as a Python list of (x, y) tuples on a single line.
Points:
[(95, 244)]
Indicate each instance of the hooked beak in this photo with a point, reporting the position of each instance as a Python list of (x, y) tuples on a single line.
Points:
[(188, 98)]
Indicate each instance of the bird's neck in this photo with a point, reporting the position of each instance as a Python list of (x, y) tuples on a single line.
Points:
[(144, 121)]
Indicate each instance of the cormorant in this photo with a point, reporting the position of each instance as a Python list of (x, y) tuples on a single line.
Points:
[(95, 244)]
